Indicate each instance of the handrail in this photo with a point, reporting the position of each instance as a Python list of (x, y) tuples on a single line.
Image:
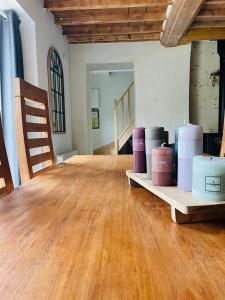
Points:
[(126, 128)]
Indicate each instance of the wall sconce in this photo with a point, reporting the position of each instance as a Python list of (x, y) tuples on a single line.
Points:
[(213, 77)]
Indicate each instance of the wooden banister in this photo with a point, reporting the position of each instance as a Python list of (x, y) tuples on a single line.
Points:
[(126, 122)]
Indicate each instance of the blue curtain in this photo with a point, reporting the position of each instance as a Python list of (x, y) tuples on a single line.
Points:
[(11, 65)]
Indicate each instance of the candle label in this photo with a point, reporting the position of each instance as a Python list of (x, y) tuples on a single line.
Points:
[(213, 184), (162, 164), (139, 145)]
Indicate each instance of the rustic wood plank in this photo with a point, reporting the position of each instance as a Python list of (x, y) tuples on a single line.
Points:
[(57, 5), (37, 159), (26, 90), (36, 143), (114, 38), (155, 27), (80, 232), (111, 19), (179, 21), (208, 23), (36, 127), (36, 112), (211, 15), (197, 34)]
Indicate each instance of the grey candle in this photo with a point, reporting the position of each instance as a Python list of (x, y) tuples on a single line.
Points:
[(154, 137)]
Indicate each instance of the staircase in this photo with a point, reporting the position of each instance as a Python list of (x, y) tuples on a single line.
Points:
[(123, 119)]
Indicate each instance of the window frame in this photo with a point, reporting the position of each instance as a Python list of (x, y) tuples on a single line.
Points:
[(49, 60)]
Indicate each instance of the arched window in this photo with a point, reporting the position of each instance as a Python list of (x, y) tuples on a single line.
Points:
[(56, 92)]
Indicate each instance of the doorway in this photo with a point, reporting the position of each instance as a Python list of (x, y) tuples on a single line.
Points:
[(111, 100)]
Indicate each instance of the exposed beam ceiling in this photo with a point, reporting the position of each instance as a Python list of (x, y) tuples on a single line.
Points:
[(59, 5), (94, 21), (180, 19)]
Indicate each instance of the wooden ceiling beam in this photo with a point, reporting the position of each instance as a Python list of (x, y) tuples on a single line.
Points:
[(112, 29), (214, 5), (114, 38), (179, 21), (59, 5), (111, 19), (198, 34)]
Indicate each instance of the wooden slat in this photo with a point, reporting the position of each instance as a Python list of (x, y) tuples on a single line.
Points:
[(214, 5), (36, 127), (112, 29), (36, 143), (37, 159), (115, 38), (209, 14), (179, 21), (25, 90), (58, 5), (197, 34), (115, 18), (207, 24), (33, 111)]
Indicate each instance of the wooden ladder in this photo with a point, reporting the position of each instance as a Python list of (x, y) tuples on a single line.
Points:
[(123, 119)]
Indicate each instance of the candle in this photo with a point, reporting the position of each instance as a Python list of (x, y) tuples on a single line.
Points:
[(154, 137), (162, 166), (209, 178), (190, 143), (139, 150)]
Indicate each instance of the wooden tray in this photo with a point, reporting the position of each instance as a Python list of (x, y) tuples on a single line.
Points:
[(184, 208)]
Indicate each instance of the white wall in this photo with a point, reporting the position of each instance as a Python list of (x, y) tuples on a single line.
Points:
[(39, 33), (111, 85), (204, 98), (161, 79)]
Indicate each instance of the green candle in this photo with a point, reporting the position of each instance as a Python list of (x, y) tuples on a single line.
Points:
[(209, 178)]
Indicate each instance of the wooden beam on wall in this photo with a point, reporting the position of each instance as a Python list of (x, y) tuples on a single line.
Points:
[(112, 29), (197, 34), (80, 19), (59, 5), (179, 21), (114, 38)]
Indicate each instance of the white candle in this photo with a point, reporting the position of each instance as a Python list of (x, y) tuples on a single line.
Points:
[(209, 178)]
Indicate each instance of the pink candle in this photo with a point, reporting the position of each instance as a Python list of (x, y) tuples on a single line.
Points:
[(162, 166)]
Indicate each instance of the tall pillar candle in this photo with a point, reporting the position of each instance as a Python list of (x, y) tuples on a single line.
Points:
[(209, 178), (190, 143), (154, 137), (139, 150), (162, 166)]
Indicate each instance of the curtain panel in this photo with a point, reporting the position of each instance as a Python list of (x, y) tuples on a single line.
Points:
[(11, 66)]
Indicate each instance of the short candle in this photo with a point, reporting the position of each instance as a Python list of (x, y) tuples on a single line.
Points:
[(209, 178)]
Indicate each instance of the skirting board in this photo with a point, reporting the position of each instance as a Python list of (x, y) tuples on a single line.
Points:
[(184, 208)]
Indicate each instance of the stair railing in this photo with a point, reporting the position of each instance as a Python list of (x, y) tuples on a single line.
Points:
[(123, 118)]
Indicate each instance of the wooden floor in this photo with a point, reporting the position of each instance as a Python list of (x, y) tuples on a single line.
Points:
[(80, 232)]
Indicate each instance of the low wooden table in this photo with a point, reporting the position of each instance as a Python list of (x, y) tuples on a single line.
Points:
[(80, 232)]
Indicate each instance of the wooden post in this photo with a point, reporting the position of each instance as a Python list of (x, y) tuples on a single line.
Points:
[(129, 108), (116, 126), (122, 113)]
